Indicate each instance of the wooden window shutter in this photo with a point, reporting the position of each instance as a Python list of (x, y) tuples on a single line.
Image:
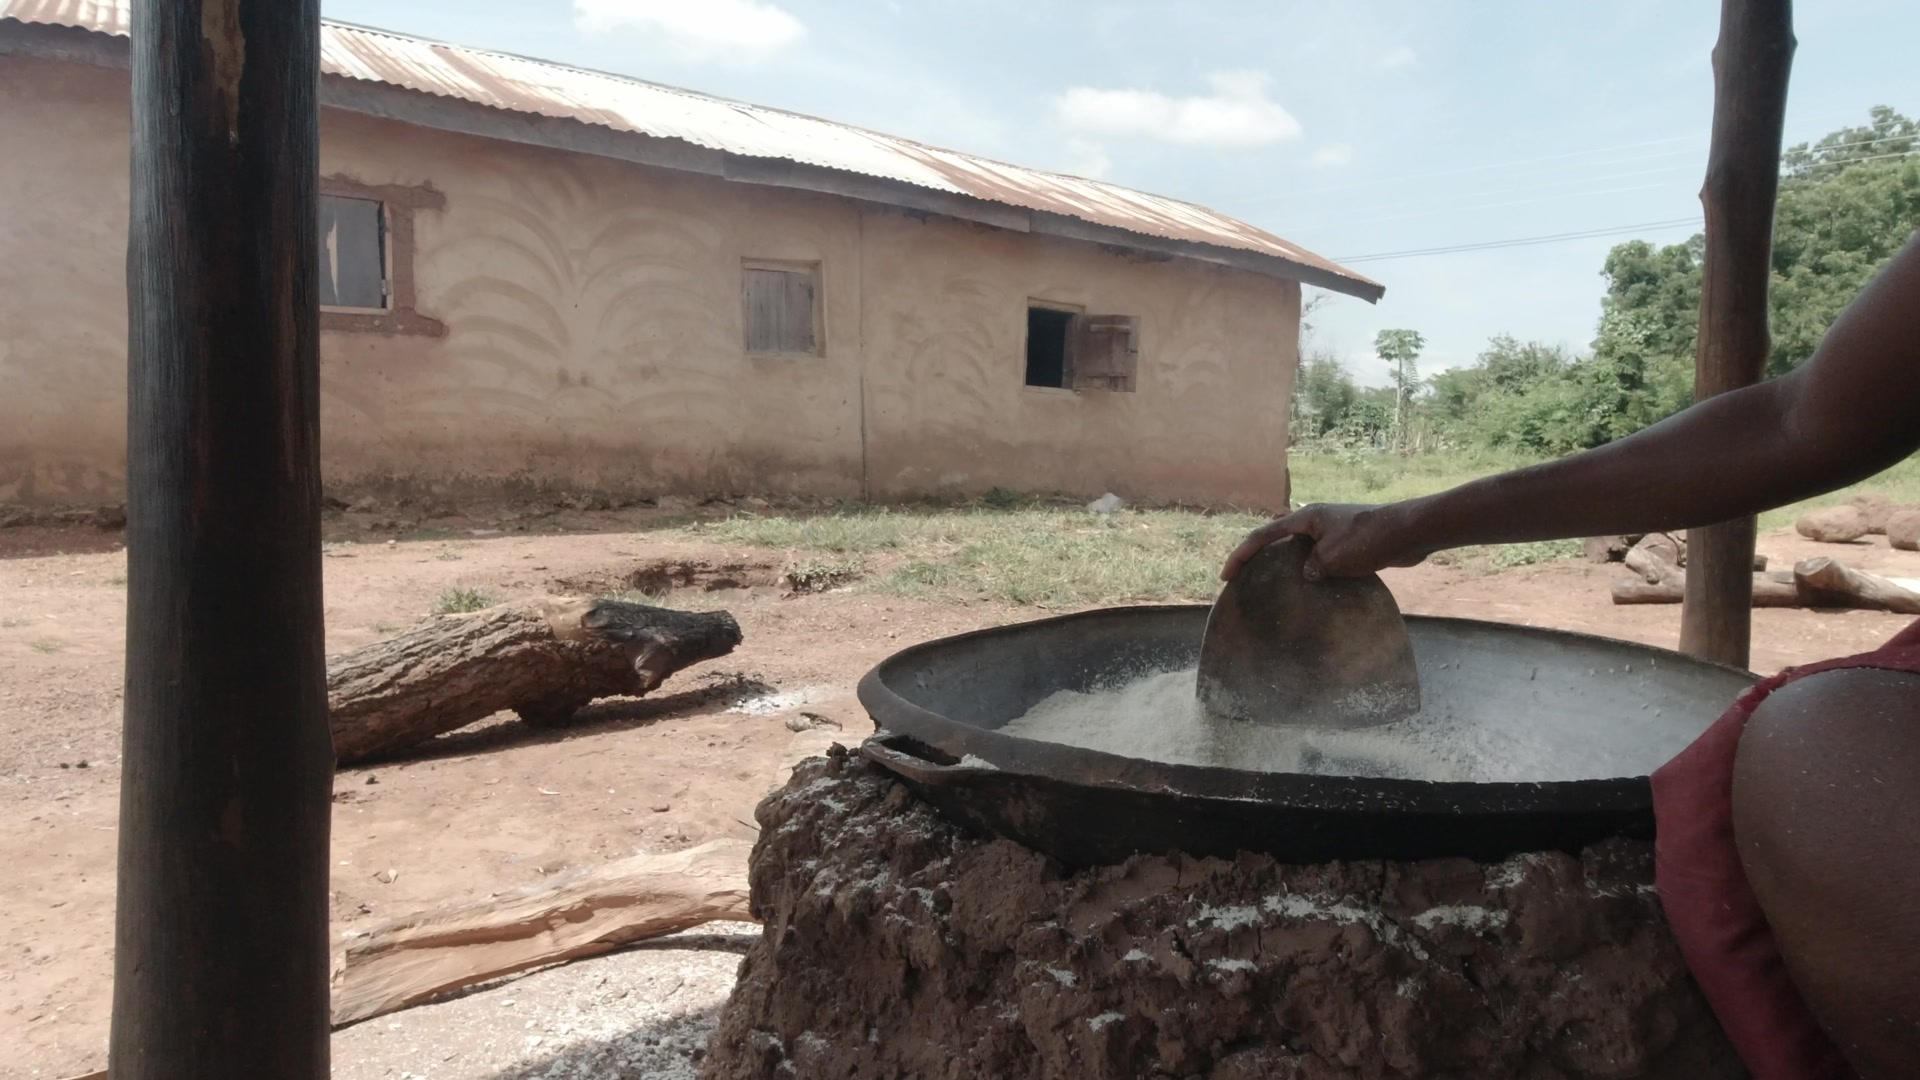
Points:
[(779, 310), (797, 332), (1106, 352)]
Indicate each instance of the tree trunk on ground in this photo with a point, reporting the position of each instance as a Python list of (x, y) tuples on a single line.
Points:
[(542, 658), (1607, 549), (1822, 582), (586, 913), (1767, 592)]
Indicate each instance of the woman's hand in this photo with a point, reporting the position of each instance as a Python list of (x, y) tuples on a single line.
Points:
[(1348, 539)]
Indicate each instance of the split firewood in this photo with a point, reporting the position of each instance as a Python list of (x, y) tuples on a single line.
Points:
[(584, 913), (1823, 582), (543, 658), (1656, 557), (1767, 591), (1608, 549)]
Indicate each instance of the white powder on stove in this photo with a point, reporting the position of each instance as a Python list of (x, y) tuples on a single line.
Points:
[(1158, 718)]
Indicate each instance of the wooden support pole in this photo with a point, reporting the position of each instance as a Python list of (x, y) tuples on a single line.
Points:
[(220, 939), (1751, 62)]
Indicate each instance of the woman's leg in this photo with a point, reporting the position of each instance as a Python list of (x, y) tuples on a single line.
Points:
[(1826, 812)]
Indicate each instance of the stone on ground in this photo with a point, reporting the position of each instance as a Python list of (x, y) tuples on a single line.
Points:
[(1834, 525), (1903, 530)]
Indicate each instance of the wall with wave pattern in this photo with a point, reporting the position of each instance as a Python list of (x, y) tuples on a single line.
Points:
[(594, 327), (63, 282), (948, 411), (594, 333)]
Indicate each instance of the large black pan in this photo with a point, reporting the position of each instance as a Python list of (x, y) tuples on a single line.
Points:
[(937, 707)]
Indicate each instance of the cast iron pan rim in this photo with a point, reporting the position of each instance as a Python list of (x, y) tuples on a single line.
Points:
[(894, 715)]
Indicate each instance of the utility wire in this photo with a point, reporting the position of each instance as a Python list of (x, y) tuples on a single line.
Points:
[(1565, 195), (1523, 241), (1385, 181)]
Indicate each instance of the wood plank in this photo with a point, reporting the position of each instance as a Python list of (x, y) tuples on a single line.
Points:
[(1751, 62), (585, 913), (220, 944)]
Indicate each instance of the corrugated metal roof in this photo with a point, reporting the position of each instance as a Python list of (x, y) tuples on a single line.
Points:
[(518, 84)]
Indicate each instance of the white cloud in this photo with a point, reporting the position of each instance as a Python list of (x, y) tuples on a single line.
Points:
[(1396, 58), (1237, 113), (1332, 156), (701, 29), (1087, 158)]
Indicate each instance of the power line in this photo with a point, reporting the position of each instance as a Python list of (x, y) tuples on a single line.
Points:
[(1556, 196), (1523, 241), (1812, 147), (1483, 167)]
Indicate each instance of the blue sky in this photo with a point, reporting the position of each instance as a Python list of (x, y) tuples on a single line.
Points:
[(1353, 129)]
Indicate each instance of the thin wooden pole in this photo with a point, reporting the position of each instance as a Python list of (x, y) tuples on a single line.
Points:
[(220, 963), (1751, 62)]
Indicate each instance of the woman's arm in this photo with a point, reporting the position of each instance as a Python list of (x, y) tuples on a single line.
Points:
[(1850, 411)]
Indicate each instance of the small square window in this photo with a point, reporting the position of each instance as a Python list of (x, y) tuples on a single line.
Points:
[(1068, 349), (353, 253), (782, 307)]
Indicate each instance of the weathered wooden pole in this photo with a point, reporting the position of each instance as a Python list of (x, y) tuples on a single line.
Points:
[(1751, 62), (220, 961)]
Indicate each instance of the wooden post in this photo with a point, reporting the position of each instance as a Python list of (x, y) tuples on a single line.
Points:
[(1751, 62), (220, 961)]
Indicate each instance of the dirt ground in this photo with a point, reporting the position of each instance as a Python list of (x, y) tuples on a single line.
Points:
[(501, 805)]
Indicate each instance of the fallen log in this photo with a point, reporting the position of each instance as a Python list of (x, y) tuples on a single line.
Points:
[(542, 658), (1656, 558), (1767, 592), (584, 913), (1606, 549), (1823, 582), (1670, 549)]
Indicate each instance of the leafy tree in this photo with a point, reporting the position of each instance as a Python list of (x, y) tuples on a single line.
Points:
[(1887, 133), (1322, 395), (1401, 350), (1847, 202)]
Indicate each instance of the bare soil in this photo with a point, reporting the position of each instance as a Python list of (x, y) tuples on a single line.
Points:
[(502, 804)]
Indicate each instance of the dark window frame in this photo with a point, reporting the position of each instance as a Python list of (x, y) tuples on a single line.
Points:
[(398, 204), (1073, 313)]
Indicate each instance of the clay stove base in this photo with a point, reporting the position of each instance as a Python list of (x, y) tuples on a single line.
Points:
[(897, 946)]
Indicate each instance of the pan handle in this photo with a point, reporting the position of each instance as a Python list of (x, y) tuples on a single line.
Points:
[(915, 760)]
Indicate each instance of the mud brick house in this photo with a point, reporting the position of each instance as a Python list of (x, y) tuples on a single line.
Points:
[(535, 274)]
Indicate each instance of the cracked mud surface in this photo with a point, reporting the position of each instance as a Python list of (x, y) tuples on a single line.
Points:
[(896, 945)]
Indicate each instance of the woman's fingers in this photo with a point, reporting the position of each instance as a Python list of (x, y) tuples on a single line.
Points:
[(1298, 523)]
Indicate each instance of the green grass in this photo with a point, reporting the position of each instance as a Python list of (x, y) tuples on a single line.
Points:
[(1360, 477), (462, 599), (1045, 556), (13, 621), (1375, 477), (1015, 549), (821, 574), (46, 645)]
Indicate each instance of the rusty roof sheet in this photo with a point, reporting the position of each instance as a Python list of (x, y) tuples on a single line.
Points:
[(522, 85)]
